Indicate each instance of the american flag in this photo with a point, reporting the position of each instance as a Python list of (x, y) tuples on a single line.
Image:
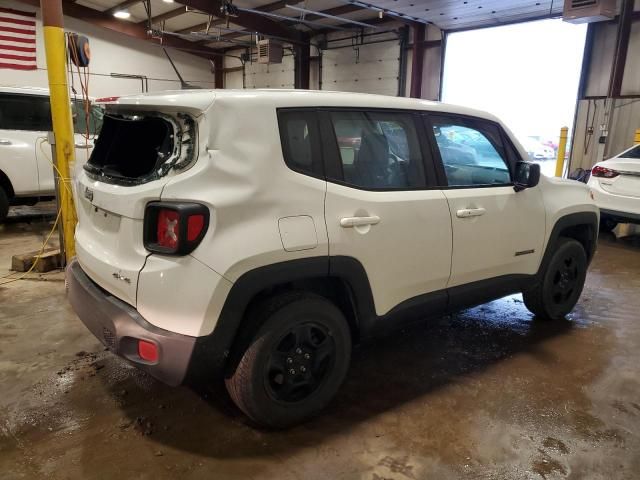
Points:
[(17, 39)]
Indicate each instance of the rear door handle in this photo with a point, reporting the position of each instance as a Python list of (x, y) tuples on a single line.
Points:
[(349, 222), (470, 212), (5, 142)]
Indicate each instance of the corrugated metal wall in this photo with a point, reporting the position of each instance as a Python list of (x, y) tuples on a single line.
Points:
[(625, 117)]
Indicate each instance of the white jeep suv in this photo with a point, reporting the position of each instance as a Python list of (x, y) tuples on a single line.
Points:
[(257, 235), (26, 171)]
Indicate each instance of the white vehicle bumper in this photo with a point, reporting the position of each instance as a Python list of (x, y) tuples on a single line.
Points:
[(619, 206)]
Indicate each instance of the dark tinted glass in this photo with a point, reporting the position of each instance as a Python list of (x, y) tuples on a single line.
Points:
[(25, 112), (296, 132), (378, 150)]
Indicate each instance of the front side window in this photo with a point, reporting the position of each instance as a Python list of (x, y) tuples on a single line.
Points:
[(472, 153), (25, 112), (378, 150)]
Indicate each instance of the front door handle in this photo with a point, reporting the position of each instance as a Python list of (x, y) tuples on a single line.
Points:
[(470, 212), (349, 222), (5, 142)]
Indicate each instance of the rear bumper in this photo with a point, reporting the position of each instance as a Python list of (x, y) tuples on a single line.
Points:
[(119, 326), (623, 208)]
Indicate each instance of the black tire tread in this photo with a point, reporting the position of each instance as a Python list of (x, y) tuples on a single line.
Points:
[(4, 205), (240, 385), (534, 297)]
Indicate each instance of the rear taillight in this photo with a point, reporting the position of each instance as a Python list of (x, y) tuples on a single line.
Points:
[(167, 228), (174, 228), (602, 172)]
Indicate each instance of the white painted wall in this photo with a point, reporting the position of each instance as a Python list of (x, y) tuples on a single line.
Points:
[(375, 70), (112, 52), (275, 75)]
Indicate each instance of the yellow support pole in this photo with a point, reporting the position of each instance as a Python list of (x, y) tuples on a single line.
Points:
[(636, 139), (562, 149), (54, 43)]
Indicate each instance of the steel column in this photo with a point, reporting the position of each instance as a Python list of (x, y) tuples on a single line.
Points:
[(417, 60), (302, 66), (55, 49), (218, 72)]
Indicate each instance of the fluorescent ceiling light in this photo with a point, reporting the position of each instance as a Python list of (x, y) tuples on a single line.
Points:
[(122, 14)]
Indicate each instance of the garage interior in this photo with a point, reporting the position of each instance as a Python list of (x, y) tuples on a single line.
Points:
[(486, 393)]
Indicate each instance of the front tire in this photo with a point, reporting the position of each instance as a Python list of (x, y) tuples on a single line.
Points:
[(4, 205), (555, 295), (295, 363)]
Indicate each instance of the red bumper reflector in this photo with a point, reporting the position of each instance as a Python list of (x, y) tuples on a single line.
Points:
[(195, 224), (148, 351)]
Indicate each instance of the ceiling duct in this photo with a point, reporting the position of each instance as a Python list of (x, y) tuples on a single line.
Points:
[(587, 11)]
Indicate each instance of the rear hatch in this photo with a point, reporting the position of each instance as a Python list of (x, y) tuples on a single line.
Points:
[(138, 150), (627, 183)]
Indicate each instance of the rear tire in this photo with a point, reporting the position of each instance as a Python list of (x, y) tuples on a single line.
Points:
[(607, 224), (555, 295), (295, 363), (4, 205)]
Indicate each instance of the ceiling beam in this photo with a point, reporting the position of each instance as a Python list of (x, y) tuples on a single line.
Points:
[(121, 6), (340, 10), (104, 20), (270, 7), (335, 11), (250, 21), (372, 21), (165, 16)]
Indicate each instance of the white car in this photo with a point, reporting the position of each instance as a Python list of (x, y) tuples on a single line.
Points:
[(26, 172), (616, 188), (257, 235), (538, 151)]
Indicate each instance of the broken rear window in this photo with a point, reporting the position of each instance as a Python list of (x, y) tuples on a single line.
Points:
[(138, 148)]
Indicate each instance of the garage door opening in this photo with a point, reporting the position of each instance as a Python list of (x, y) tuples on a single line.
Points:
[(527, 74)]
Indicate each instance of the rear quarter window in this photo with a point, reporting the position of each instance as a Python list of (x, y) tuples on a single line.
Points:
[(300, 141)]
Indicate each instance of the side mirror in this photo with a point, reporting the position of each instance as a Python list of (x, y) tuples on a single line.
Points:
[(527, 176)]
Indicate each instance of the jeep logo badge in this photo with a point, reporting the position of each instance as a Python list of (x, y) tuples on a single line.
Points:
[(88, 194)]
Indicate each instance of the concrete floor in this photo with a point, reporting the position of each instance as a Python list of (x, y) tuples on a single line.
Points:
[(488, 394)]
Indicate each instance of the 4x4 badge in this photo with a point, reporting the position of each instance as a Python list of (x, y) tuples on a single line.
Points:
[(88, 194)]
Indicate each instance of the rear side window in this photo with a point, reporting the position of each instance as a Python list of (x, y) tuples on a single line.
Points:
[(25, 112), (300, 142), (633, 153), (378, 150), (472, 152)]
